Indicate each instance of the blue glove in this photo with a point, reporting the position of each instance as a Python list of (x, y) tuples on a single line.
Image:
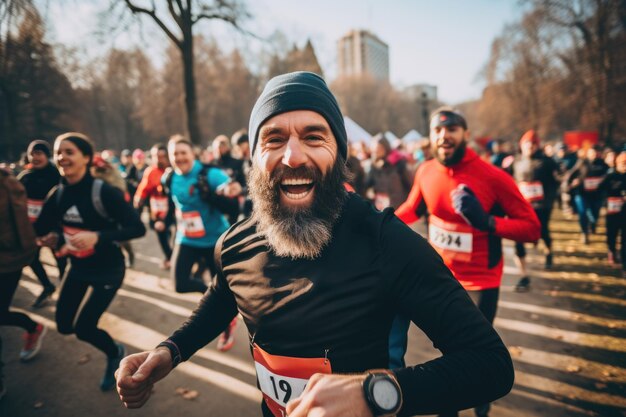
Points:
[(466, 205)]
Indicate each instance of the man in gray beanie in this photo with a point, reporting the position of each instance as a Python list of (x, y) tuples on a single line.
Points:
[(318, 275)]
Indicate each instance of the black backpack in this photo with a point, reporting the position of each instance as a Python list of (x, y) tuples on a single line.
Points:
[(221, 203)]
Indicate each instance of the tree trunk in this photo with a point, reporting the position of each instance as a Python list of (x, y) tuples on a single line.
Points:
[(191, 106)]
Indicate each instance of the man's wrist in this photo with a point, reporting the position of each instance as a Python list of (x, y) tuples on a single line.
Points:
[(174, 351)]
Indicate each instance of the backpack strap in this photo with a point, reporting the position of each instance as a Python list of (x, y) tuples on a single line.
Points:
[(96, 198), (167, 183), (203, 183), (60, 189)]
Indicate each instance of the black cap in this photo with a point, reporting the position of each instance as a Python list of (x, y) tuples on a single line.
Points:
[(39, 145), (447, 118), (299, 90)]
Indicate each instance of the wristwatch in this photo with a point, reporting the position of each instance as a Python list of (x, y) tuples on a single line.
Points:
[(383, 393)]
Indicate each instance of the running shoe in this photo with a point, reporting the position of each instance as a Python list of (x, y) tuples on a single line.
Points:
[(108, 380), (44, 296), (548, 263), (32, 343), (611, 258), (523, 285), (227, 339)]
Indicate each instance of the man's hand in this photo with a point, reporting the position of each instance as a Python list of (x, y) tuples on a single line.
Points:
[(159, 226), (331, 396), (83, 240), (466, 205), (230, 190), (138, 373), (50, 240), (138, 202)]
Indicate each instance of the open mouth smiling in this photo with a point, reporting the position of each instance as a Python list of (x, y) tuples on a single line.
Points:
[(296, 188)]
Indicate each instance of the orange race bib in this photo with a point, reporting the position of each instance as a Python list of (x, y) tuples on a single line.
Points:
[(592, 183), (34, 209), (283, 378), (159, 206), (68, 232), (614, 205), (453, 241), (191, 224), (382, 201), (532, 191)]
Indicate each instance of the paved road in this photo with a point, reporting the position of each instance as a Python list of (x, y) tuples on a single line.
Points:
[(567, 337)]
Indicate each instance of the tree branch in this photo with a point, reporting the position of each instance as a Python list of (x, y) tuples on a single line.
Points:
[(152, 13), (170, 7)]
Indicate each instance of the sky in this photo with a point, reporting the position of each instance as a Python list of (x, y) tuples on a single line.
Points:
[(444, 43)]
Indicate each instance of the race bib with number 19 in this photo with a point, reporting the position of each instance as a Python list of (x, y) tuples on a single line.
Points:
[(283, 378)]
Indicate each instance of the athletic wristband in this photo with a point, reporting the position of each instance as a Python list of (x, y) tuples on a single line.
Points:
[(174, 351)]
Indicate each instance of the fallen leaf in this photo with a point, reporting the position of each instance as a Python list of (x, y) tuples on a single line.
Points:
[(181, 391), (559, 337), (515, 351), (190, 395), (596, 288), (84, 359), (573, 368), (608, 373), (38, 404), (600, 385), (612, 325), (553, 293)]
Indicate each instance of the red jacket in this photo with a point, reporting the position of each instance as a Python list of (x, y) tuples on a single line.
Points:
[(150, 183), (474, 257)]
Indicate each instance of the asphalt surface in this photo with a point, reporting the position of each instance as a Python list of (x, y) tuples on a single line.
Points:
[(567, 337)]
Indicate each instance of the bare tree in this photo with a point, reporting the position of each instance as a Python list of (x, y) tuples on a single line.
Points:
[(185, 14)]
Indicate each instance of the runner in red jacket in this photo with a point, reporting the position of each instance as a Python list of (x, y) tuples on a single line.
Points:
[(161, 207), (472, 206)]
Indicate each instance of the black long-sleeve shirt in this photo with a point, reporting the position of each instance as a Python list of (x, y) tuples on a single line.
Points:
[(76, 210), (342, 305), (39, 182)]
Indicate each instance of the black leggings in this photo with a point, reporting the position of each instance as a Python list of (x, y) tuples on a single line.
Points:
[(486, 301), (616, 225), (40, 272), (8, 286), (164, 242), (544, 219), (183, 259), (84, 323)]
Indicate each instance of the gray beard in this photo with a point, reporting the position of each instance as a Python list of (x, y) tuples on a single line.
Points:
[(297, 233)]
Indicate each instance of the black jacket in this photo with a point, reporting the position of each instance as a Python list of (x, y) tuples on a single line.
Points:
[(342, 304)]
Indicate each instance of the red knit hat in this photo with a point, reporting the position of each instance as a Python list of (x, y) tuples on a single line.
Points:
[(530, 135)]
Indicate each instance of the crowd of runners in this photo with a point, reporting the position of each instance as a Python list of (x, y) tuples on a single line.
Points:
[(301, 232)]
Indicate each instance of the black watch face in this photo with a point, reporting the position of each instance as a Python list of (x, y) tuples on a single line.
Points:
[(385, 394)]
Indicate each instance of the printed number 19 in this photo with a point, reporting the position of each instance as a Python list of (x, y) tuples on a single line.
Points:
[(284, 387)]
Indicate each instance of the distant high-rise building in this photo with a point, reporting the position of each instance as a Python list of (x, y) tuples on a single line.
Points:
[(421, 92), (360, 52)]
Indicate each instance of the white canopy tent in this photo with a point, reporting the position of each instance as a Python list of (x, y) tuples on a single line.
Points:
[(412, 136), (355, 132), (390, 136)]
